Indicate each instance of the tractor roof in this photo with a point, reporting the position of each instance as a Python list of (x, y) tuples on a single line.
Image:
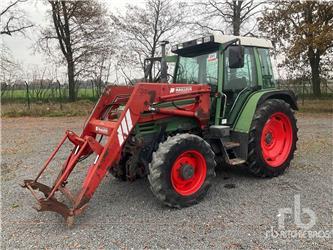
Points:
[(245, 40), (212, 42)]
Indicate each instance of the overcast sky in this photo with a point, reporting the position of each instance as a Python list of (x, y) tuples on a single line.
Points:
[(22, 48), (36, 11)]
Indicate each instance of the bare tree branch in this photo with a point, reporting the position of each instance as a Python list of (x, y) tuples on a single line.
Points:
[(79, 30), (222, 15), (141, 29), (16, 22)]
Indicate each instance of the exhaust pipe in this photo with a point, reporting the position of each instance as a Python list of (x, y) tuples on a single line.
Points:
[(164, 66)]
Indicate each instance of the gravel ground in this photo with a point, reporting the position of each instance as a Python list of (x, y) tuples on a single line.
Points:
[(239, 211)]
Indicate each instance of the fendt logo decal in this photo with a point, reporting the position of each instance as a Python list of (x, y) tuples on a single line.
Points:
[(180, 90), (125, 127)]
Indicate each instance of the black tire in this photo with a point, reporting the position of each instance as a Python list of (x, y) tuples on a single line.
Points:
[(119, 171), (162, 163), (256, 162)]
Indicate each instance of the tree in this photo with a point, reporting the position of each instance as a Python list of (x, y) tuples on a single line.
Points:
[(8, 68), (13, 19), (99, 71), (81, 31), (303, 30), (7, 64), (142, 28), (221, 15)]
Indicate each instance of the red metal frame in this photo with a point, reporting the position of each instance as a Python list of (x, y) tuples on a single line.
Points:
[(143, 97)]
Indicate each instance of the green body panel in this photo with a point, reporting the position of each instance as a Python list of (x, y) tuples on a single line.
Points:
[(245, 116), (169, 125), (171, 59), (146, 128), (219, 87), (178, 103), (258, 67), (180, 123)]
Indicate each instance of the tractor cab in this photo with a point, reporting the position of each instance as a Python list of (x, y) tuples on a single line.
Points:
[(234, 67)]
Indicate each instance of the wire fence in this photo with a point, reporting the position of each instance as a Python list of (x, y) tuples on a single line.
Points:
[(304, 87), (56, 92), (51, 92)]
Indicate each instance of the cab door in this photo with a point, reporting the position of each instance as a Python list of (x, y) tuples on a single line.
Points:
[(238, 84)]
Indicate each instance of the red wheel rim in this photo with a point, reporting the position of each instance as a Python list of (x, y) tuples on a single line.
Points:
[(276, 139), (195, 164)]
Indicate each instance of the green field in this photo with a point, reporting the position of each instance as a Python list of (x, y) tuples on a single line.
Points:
[(20, 95), (84, 107), (14, 103)]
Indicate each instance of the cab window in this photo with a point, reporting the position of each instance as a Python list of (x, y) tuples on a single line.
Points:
[(198, 69), (237, 79), (266, 68)]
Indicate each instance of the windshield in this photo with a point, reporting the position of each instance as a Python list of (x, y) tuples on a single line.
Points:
[(198, 69)]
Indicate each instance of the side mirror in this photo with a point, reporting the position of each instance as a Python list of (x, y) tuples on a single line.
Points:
[(236, 57)]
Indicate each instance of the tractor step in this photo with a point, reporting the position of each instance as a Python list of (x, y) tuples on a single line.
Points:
[(231, 144), (236, 161), (219, 131)]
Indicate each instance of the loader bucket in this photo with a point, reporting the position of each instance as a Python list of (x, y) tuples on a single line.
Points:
[(52, 204), (114, 117)]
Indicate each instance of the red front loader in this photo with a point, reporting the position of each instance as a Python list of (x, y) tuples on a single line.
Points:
[(115, 115)]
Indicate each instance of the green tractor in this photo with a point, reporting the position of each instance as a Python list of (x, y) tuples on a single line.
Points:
[(251, 122), (219, 107)]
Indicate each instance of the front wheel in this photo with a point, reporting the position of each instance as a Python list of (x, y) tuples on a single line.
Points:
[(272, 140), (181, 170)]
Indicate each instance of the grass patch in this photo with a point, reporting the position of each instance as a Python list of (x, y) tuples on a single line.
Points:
[(79, 108), (47, 95), (84, 107), (324, 96), (316, 106)]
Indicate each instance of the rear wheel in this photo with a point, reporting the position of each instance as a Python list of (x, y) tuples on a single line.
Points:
[(273, 138), (181, 170)]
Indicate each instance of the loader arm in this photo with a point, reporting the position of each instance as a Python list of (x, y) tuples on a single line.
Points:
[(116, 126)]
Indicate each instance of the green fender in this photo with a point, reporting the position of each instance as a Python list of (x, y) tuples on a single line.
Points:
[(245, 116)]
